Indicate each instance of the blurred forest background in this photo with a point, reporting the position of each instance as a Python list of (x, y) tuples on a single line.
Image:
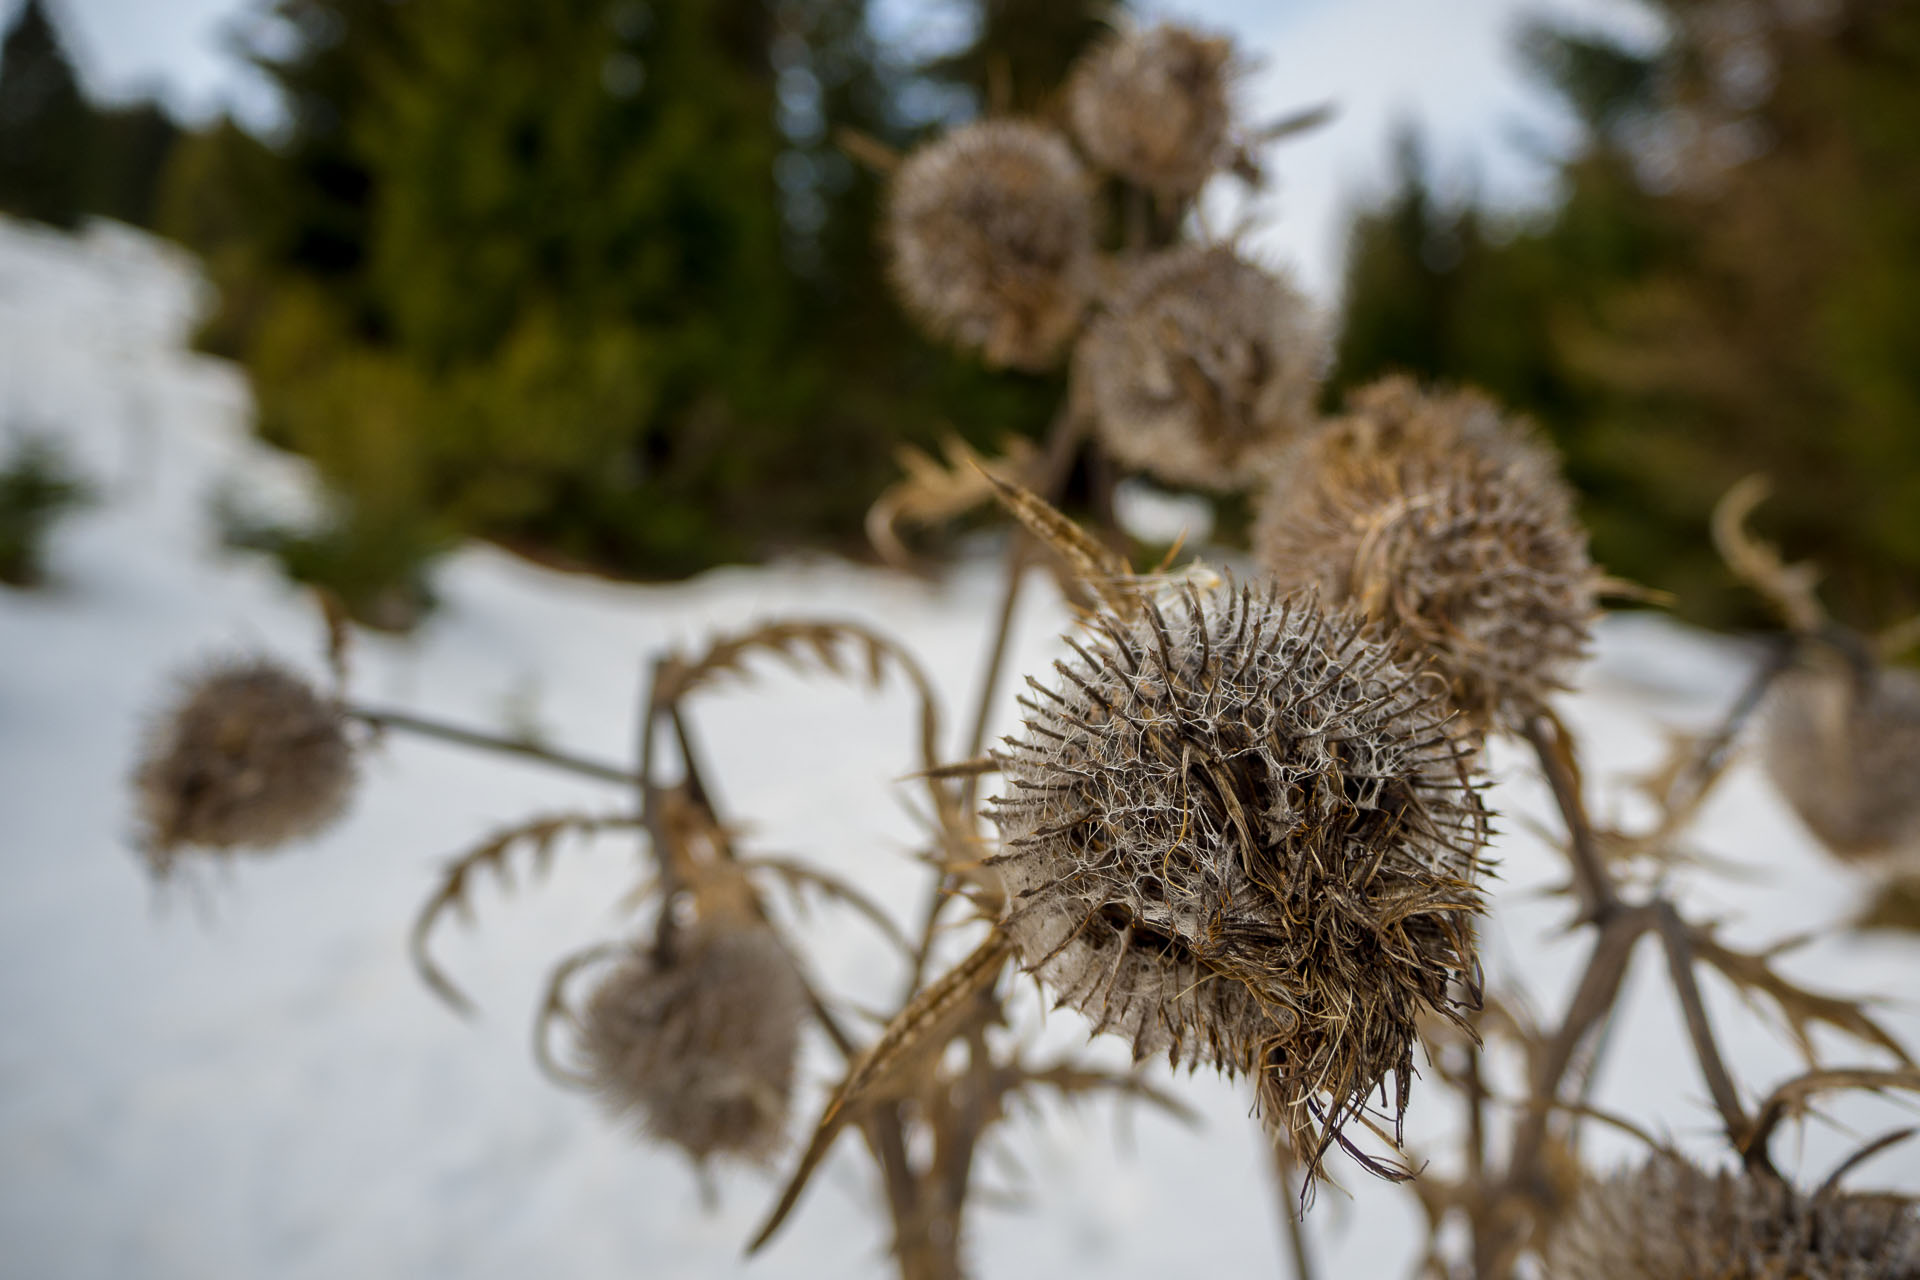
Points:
[(595, 280)]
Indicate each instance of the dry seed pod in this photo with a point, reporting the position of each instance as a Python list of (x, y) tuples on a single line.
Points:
[(1842, 744), (1202, 359), (1670, 1220), (249, 757), (700, 1050), (1152, 106), (1448, 523), (1237, 832), (991, 235)]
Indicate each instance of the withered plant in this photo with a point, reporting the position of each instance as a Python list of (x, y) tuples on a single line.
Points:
[(1242, 822)]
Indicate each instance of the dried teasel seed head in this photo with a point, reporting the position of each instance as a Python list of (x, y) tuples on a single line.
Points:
[(250, 757), (1151, 105), (1450, 524), (1238, 832), (990, 229), (699, 1048), (1842, 744), (1670, 1220), (1202, 359)]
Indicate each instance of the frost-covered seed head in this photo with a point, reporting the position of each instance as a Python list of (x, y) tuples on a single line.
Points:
[(1670, 1220), (1448, 523), (990, 229), (250, 757), (1202, 359), (1152, 106), (1237, 832), (1842, 744), (700, 1051)]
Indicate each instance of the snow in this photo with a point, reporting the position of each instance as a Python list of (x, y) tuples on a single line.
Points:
[(242, 1077)]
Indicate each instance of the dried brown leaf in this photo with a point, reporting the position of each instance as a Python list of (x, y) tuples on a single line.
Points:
[(538, 837)]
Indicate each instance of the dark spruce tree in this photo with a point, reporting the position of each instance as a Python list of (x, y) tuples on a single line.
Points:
[(590, 278), (46, 127)]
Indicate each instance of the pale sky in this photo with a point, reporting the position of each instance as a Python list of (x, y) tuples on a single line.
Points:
[(1448, 64)]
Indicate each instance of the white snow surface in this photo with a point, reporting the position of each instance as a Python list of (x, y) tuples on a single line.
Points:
[(241, 1076)]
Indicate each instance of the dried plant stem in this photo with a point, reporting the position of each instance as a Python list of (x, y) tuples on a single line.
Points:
[(1497, 1241), (1598, 898), (1678, 940), (384, 719), (1292, 1228)]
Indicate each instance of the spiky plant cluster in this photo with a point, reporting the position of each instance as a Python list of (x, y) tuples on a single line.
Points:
[(1842, 744), (1202, 359), (1670, 1220), (1238, 832), (698, 1046), (250, 757), (1151, 105), (1449, 523), (990, 229)]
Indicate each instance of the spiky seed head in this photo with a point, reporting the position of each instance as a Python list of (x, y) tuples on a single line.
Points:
[(1449, 523), (249, 757), (698, 1048), (1152, 105), (1842, 744), (1236, 831), (990, 229), (1671, 1220), (1202, 359)]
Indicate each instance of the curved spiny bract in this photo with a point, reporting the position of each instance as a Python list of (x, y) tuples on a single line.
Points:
[(1152, 106), (1237, 832), (1202, 359), (1450, 524), (1670, 1220), (1842, 744), (699, 1048), (250, 757), (990, 232)]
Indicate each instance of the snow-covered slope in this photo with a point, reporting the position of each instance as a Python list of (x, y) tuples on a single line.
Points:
[(242, 1078)]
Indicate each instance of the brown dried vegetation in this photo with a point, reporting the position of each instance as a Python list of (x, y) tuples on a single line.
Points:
[(990, 231), (1202, 360), (249, 757), (1448, 522), (1152, 105), (1236, 833)]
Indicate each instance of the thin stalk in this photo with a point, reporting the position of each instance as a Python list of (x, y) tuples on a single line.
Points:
[(1292, 1228), (384, 719), (1598, 898), (1680, 961)]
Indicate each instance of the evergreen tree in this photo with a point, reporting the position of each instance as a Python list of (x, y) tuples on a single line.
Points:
[(589, 277), (46, 128)]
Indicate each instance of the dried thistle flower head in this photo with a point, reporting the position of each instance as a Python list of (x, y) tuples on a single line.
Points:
[(990, 229), (1450, 524), (1202, 359), (1842, 744), (1238, 832), (250, 757), (1670, 1220), (699, 1047), (1152, 106)]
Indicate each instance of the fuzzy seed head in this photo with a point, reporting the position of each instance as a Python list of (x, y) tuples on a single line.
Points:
[(1152, 106), (1203, 359), (1842, 744), (1670, 1220), (1450, 524), (699, 1050), (990, 228), (1237, 832), (250, 757)]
